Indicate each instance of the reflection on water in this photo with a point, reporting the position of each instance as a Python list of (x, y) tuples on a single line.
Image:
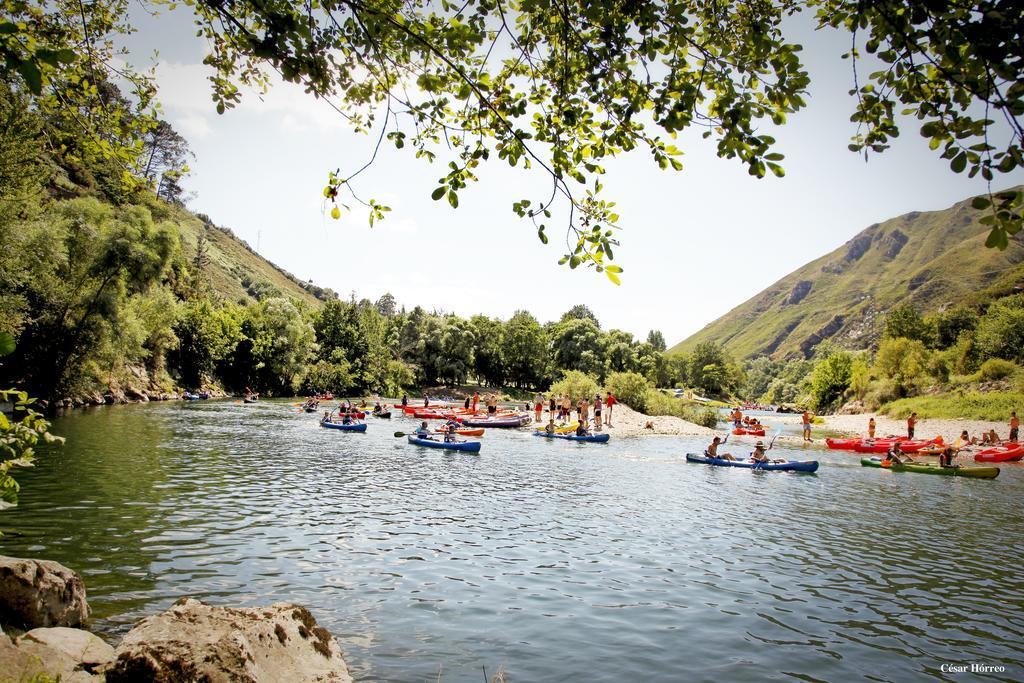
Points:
[(550, 559)]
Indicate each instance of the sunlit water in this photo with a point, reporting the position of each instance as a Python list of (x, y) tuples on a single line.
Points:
[(551, 560)]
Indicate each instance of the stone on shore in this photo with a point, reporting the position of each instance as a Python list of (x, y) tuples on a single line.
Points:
[(28, 659), (40, 593), (88, 650), (195, 641)]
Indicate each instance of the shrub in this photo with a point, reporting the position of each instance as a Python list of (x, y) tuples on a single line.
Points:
[(629, 387), (576, 385), (660, 404), (830, 379), (995, 369)]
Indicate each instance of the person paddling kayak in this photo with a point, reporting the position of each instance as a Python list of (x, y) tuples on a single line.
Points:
[(895, 456), (423, 431), (712, 450)]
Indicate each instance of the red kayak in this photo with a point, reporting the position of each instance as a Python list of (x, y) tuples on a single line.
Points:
[(1008, 453), (749, 432), (842, 444), (883, 445)]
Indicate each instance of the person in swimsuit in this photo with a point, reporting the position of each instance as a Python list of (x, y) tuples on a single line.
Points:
[(712, 450), (597, 412), (871, 428)]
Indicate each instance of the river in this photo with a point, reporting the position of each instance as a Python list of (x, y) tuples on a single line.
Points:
[(549, 560)]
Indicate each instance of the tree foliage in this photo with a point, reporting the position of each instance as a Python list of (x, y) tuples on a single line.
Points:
[(558, 87)]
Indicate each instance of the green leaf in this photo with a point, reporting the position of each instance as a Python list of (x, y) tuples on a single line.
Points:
[(33, 77), (438, 193), (959, 162), (612, 276), (6, 344), (997, 239), (453, 199), (980, 203)]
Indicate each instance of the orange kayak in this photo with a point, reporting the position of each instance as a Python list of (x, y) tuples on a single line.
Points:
[(466, 432)]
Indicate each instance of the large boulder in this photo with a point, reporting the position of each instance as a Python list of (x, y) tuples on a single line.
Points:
[(193, 641), (29, 660), (40, 593), (89, 651)]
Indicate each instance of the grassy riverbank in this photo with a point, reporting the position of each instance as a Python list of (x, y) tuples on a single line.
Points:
[(992, 406)]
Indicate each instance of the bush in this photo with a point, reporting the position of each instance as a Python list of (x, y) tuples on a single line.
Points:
[(995, 369), (660, 404), (830, 379), (576, 385), (629, 387)]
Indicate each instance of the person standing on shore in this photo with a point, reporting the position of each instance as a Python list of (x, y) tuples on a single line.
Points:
[(911, 423), (584, 411), (567, 407), (538, 407), (609, 401), (871, 428), (551, 407), (805, 419), (597, 412), (476, 399), (1014, 426)]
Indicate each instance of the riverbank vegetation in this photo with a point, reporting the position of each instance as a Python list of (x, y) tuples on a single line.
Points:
[(965, 361)]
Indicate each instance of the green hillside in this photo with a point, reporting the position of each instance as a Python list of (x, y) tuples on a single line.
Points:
[(234, 270), (931, 259)]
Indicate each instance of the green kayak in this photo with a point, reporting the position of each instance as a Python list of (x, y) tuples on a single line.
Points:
[(973, 472)]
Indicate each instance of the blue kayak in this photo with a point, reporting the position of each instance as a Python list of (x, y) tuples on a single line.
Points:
[(589, 438), (791, 466), (346, 428), (464, 446)]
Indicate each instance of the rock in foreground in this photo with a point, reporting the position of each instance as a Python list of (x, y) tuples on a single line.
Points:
[(40, 593), (193, 641)]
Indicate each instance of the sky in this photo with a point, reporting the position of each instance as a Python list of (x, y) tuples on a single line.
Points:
[(695, 243)]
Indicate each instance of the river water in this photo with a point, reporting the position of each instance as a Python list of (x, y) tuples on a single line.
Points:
[(549, 560)]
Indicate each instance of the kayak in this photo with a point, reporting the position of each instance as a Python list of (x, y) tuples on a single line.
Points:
[(191, 397), (516, 421), (465, 432), (973, 472), (250, 400), (842, 444), (345, 428), (384, 415), (589, 438), (464, 446), (355, 415), (1009, 453), (563, 430), (790, 466), (883, 445), (749, 432)]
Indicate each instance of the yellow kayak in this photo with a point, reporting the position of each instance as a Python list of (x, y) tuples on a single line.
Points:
[(564, 429)]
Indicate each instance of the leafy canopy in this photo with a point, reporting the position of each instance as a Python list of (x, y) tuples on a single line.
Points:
[(563, 87)]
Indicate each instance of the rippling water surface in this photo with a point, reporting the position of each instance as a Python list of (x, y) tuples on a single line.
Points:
[(551, 560)]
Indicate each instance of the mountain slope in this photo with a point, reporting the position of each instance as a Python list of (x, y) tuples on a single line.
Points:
[(932, 259), (233, 269)]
